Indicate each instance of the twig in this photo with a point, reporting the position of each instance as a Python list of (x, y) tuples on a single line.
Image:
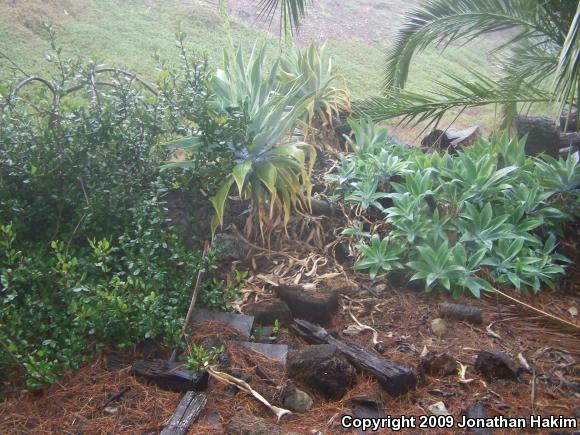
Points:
[(5, 56), (200, 275), (114, 397), (537, 310), (244, 386), (493, 334)]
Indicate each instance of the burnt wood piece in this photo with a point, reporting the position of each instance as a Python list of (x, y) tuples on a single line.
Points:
[(191, 406), (492, 364), (115, 361), (321, 207), (437, 364), (170, 375), (316, 305), (569, 142), (477, 410), (461, 312), (395, 379), (267, 312), (323, 368), (542, 133)]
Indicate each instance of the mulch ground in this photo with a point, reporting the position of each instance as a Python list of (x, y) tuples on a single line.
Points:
[(79, 403)]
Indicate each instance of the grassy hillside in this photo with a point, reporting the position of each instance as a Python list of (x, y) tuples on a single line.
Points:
[(127, 34)]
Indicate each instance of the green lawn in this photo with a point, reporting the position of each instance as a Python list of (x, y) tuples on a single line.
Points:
[(127, 34)]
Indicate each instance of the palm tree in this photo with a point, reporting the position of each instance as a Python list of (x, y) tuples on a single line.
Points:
[(291, 11), (539, 63)]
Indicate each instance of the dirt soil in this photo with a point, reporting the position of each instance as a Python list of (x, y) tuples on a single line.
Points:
[(401, 314)]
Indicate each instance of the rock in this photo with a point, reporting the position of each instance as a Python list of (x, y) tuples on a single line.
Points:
[(492, 364), (437, 364), (322, 368), (298, 401), (439, 327), (230, 248), (438, 409), (380, 289), (477, 410), (240, 322), (245, 423), (276, 352), (317, 306), (366, 407), (267, 312)]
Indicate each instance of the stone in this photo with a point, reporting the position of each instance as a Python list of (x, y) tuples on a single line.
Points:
[(244, 423), (439, 327), (493, 364), (297, 401), (241, 322), (438, 408), (316, 306), (322, 368), (437, 364), (277, 352), (267, 312)]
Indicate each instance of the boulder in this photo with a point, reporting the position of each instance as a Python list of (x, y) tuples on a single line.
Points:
[(316, 306), (267, 312), (322, 368)]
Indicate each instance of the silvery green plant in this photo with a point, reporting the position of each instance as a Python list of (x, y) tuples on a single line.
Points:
[(488, 206), (382, 255)]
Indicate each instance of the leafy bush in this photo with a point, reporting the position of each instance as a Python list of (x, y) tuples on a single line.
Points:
[(488, 215), (88, 256)]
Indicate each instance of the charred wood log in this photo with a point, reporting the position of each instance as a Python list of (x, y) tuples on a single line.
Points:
[(395, 379), (170, 375), (461, 312), (191, 406)]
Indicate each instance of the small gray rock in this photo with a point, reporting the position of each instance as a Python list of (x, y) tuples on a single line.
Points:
[(298, 401), (439, 327)]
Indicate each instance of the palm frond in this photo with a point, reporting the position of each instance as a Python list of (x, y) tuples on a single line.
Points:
[(291, 11), (453, 92), (567, 80), (446, 21)]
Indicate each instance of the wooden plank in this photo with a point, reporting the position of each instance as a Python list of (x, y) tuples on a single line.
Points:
[(241, 322), (395, 379), (188, 410), (170, 375)]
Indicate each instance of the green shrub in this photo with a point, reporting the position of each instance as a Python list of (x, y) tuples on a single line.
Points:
[(89, 259), (488, 215)]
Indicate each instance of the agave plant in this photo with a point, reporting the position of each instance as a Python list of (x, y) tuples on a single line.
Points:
[(269, 168), (310, 71), (368, 137)]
